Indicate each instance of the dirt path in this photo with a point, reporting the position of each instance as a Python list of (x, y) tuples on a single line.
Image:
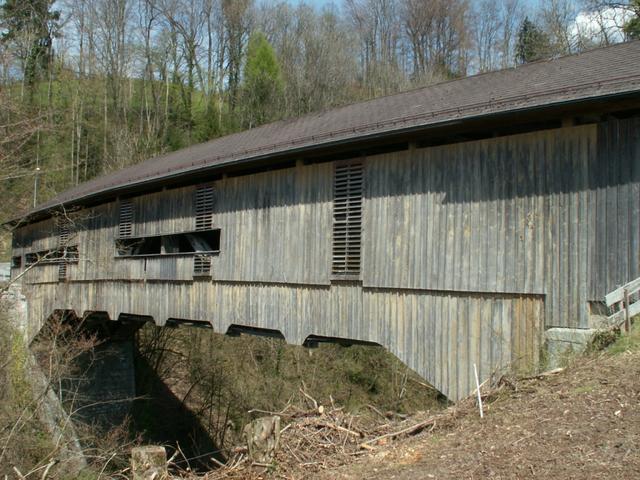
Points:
[(582, 423)]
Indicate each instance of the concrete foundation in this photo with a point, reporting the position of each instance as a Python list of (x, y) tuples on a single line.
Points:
[(104, 391), (563, 342)]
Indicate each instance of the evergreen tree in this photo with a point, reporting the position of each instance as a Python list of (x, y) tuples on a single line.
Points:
[(262, 82), (632, 27), (31, 26), (533, 43)]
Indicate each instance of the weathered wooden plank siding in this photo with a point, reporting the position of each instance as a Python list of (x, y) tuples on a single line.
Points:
[(615, 206), (441, 335), (35, 237), (276, 226), (509, 215), (176, 212), (458, 217)]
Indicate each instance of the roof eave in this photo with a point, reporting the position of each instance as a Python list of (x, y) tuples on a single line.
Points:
[(131, 187)]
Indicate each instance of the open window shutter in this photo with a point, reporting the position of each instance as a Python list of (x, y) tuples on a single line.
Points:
[(347, 218)]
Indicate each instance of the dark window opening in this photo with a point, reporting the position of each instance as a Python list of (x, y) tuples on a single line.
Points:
[(170, 244), (56, 256), (30, 258), (16, 262)]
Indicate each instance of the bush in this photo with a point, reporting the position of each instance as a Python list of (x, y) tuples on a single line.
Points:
[(34, 430), (227, 381)]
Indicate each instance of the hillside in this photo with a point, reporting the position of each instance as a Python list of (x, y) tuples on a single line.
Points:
[(581, 423)]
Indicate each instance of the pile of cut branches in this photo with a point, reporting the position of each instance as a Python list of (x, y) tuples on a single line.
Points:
[(318, 438)]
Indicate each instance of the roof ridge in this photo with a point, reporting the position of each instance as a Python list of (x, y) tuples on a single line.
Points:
[(363, 128), (445, 82), (338, 108), (590, 75)]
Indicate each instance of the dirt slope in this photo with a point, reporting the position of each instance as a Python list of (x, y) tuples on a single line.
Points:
[(581, 423)]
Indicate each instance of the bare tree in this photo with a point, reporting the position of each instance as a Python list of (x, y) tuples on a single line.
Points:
[(557, 19), (438, 36), (236, 17), (486, 32)]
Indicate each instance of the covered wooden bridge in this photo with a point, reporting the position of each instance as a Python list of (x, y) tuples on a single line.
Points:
[(452, 224)]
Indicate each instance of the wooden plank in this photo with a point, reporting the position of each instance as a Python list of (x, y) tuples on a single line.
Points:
[(618, 294), (618, 317)]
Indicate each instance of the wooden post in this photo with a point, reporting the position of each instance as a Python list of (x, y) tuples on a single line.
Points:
[(627, 320)]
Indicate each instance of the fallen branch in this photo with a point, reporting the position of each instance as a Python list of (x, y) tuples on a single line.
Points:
[(315, 404), (405, 431), (267, 412), (341, 429), (542, 375), (378, 412)]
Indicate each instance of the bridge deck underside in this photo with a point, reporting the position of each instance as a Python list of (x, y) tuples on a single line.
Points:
[(440, 335)]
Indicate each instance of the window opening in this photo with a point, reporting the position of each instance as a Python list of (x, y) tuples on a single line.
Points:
[(16, 262), (170, 244), (201, 265), (54, 256)]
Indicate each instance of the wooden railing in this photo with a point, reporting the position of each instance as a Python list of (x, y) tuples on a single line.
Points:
[(625, 303)]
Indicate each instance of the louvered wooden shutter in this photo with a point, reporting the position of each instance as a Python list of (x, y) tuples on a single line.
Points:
[(125, 222), (204, 221), (347, 218), (63, 240), (204, 207), (201, 265)]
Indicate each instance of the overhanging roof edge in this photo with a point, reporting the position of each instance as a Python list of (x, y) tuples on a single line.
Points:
[(112, 191)]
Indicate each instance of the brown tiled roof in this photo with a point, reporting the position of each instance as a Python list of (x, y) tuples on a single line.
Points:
[(596, 73)]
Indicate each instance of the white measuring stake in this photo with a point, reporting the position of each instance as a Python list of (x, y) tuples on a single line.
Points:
[(475, 371)]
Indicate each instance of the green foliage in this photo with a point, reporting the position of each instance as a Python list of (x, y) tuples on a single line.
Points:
[(17, 381), (632, 27), (532, 44), (262, 86), (32, 25), (627, 342), (23, 440), (603, 339)]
